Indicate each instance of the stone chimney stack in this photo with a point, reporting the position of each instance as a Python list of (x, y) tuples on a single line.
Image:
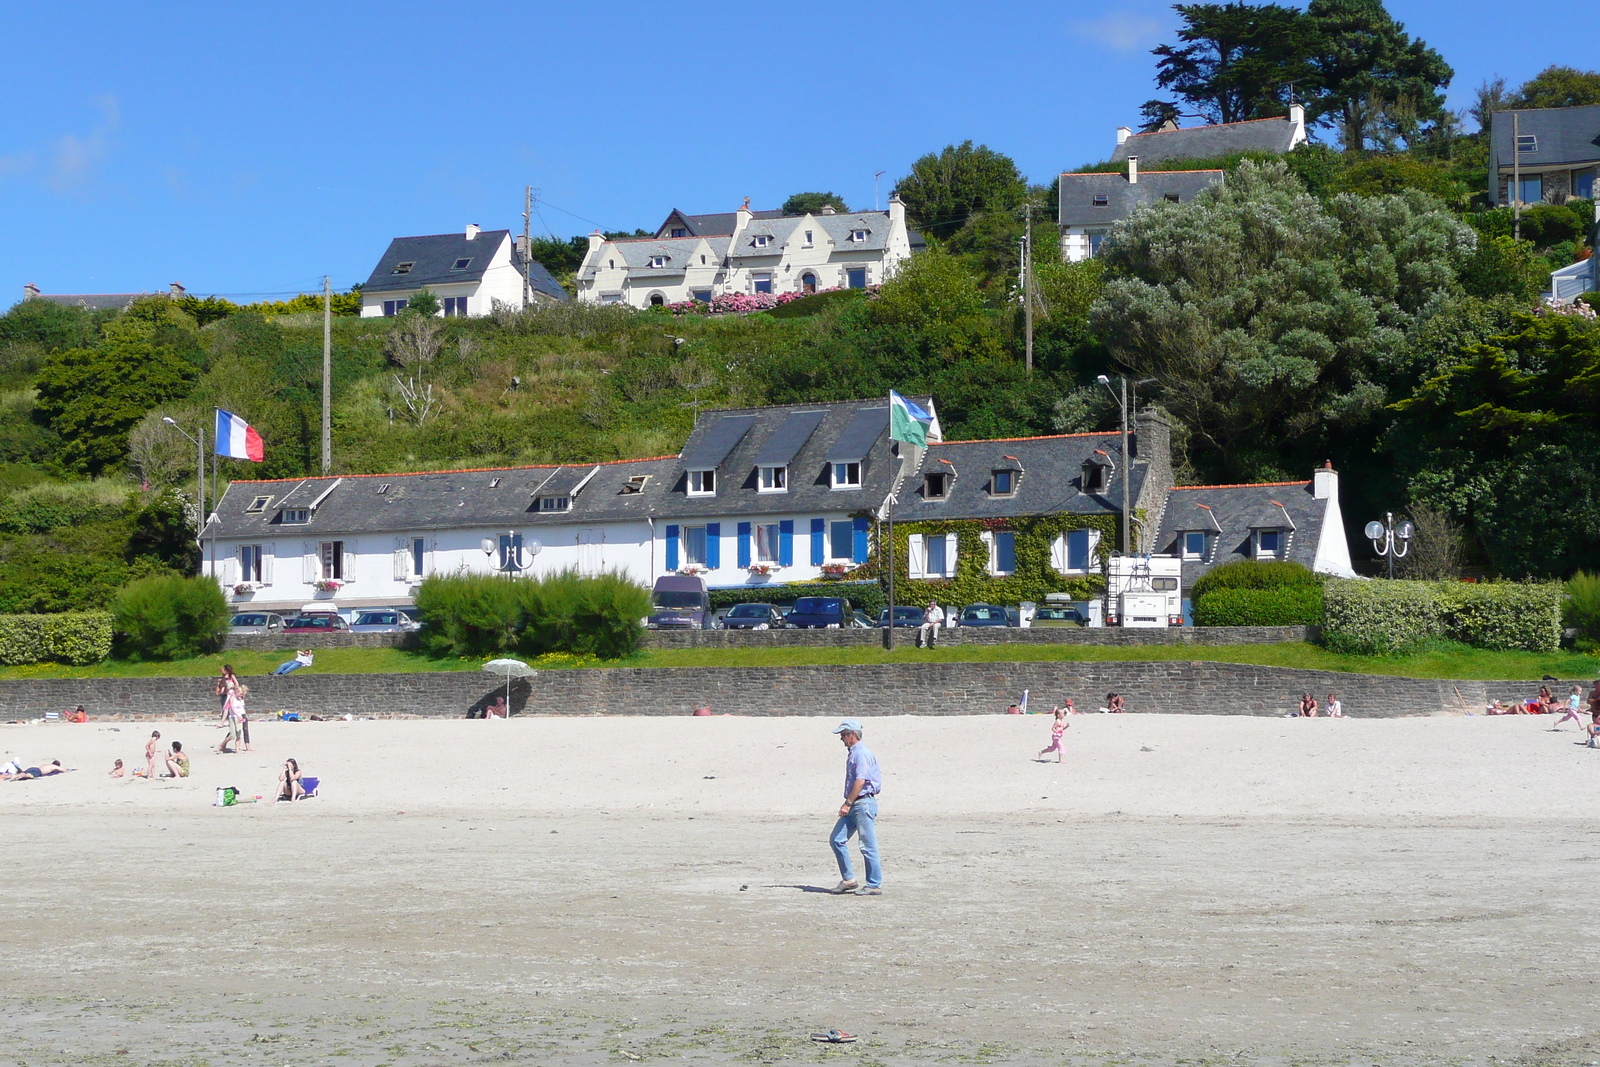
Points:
[(30, 292), (1123, 133), (828, 209), (1325, 482), (472, 231), (176, 290), (1133, 170), (596, 239), (897, 212)]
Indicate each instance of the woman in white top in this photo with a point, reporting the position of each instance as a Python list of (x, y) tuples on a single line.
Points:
[(1335, 709)]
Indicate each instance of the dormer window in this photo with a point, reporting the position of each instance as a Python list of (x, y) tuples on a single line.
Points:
[(258, 505), (403, 268), (1194, 544), (296, 516), (775, 479), (658, 261), (679, 231), (761, 240), (858, 235), (703, 483), (1095, 477), (1269, 544), (1002, 483), (1101, 200), (1171, 198), (555, 503), (936, 486), (461, 264), (847, 476)]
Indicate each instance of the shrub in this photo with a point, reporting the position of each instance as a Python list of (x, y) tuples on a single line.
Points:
[(76, 637), (1250, 574), (487, 615), (169, 617), (868, 596), (1582, 607), (1383, 618), (1290, 605)]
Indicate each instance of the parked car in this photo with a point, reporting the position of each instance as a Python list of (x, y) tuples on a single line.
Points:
[(753, 617), (316, 624), (860, 620), (255, 622), (679, 602), (988, 615), (904, 616), (383, 621), (414, 615), (1060, 615), (819, 612)]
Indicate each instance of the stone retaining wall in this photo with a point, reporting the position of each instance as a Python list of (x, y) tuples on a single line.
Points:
[(981, 635), (291, 642), (870, 689)]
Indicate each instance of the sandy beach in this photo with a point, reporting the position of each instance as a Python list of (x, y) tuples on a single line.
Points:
[(616, 890)]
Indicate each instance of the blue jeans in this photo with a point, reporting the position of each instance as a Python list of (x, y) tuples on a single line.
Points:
[(863, 822), (289, 668)]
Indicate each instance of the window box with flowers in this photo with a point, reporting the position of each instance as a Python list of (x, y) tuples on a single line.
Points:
[(691, 569), (328, 585), (764, 568), (835, 570), (241, 588)]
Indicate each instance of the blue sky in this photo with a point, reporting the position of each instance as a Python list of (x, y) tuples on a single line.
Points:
[(247, 150)]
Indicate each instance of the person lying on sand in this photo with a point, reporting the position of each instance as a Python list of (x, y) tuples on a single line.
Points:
[(29, 773)]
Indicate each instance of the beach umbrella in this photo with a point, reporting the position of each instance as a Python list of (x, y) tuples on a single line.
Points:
[(510, 668)]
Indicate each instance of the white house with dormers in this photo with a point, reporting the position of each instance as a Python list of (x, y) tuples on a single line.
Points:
[(469, 272), (699, 257)]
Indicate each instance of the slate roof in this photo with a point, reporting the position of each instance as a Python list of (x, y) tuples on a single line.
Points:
[(433, 256), (1235, 509), (777, 230), (636, 254), (93, 301), (1050, 482), (1208, 142), (716, 224), (839, 228), (440, 500), (1563, 135), (1077, 193)]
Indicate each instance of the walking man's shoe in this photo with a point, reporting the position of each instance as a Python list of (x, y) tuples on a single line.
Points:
[(844, 887), (869, 891)]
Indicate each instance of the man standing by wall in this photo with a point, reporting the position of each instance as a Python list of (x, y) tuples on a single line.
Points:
[(859, 813)]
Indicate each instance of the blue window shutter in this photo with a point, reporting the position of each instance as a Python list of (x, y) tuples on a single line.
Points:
[(672, 548), (744, 544), (786, 543), (713, 545), (860, 555), (819, 549)]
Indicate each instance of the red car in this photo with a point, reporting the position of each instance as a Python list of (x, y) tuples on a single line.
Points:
[(316, 624)]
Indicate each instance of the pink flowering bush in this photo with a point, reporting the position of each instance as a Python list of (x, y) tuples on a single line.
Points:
[(738, 303)]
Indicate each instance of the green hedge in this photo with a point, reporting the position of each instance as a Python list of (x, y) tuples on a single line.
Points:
[(1253, 574), (76, 637), (1294, 605), (490, 615), (1383, 617), (170, 617), (868, 596)]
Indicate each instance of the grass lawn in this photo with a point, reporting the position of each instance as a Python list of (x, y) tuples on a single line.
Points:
[(1451, 662)]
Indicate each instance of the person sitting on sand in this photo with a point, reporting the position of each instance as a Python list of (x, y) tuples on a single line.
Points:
[(289, 787), (177, 762), (1308, 706), (1497, 708), (116, 769), (1335, 709)]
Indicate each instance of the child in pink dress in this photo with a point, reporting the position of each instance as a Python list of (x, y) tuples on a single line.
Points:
[(1057, 728)]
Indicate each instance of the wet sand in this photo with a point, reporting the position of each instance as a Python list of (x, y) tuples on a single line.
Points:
[(1182, 888)]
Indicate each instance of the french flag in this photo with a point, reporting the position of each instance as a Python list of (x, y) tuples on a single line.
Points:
[(237, 439)]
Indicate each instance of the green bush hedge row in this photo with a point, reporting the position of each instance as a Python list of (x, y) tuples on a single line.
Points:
[(868, 596), (488, 615), (76, 637), (1292, 605), (1253, 574), (1381, 617)]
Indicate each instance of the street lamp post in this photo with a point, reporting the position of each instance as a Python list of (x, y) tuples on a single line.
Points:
[(199, 482), (1390, 539)]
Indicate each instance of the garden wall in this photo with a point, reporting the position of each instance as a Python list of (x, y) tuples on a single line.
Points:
[(864, 690), (980, 635), (291, 642)]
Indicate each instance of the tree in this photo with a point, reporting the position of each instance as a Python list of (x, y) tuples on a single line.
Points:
[(92, 397), (558, 256), (423, 302), (1437, 546), (1157, 114), (1371, 79), (413, 344), (1558, 87), (1488, 98), (163, 533), (1270, 318), (813, 203), (1236, 60), (944, 192)]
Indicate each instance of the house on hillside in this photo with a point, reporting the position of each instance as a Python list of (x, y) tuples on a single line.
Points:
[(700, 257), (757, 497), (96, 301), (1557, 154), (1152, 173), (469, 272)]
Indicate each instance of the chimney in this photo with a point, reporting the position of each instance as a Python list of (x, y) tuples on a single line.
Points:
[(596, 239), (897, 212), (517, 246), (1123, 133), (472, 231), (1133, 170), (30, 292), (176, 289), (1325, 482), (1297, 114), (827, 209)]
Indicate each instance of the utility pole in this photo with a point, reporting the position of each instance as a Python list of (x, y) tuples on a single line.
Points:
[(527, 222), (1516, 176), (1027, 291), (327, 374), (1127, 471)]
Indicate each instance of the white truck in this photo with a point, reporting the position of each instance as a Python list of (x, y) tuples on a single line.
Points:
[(1144, 591)]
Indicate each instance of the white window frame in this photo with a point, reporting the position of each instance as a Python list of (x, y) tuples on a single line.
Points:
[(658, 262), (1274, 553), (991, 543), (761, 240), (251, 564), (703, 482), (765, 536), (758, 279), (684, 543), (555, 503), (296, 516), (330, 561), (1186, 551), (847, 475), (774, 480), (858, 236), (809, 241), (1061, 557)]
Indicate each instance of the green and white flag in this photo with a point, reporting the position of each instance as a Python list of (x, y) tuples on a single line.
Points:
[(908, 422)]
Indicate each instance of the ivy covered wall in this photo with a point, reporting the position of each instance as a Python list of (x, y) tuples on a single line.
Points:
[(1032, 580)]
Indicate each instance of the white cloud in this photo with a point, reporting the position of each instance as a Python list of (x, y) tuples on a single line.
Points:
[(1123, 31), (74, 160)]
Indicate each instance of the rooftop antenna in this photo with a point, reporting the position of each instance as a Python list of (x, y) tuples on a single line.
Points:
[(875, 178)]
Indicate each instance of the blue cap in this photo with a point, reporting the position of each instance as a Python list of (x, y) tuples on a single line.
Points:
[(848, 726)]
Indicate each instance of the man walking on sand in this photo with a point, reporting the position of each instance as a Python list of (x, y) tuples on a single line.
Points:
[(858, 814)]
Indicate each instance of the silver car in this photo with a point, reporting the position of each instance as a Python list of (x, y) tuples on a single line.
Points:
[(255, 622), (383, 621)]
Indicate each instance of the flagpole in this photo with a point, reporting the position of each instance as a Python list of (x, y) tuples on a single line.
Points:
[(888, 631)]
